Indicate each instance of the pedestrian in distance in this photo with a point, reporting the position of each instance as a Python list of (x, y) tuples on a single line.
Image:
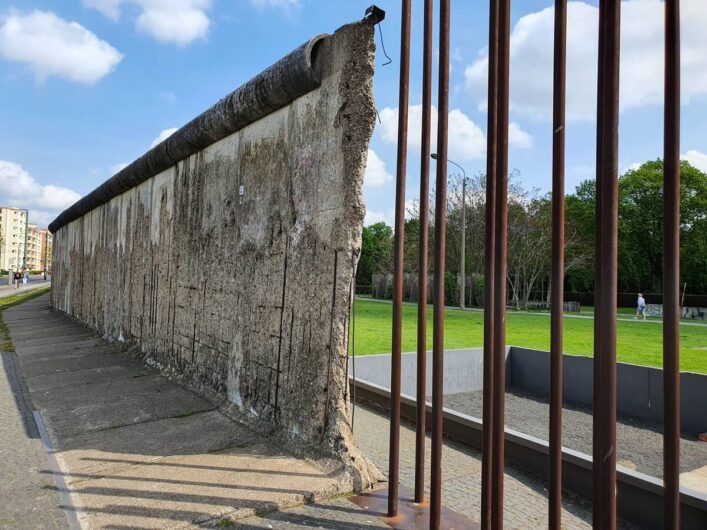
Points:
[(25, 278), (641, 308), (18, 279)]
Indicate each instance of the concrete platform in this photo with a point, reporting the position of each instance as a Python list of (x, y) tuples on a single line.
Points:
[(132, 449)]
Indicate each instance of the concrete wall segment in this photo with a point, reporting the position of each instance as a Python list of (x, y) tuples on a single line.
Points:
[(233, 267)]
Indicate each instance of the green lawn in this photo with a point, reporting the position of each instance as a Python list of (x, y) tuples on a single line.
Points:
[(638, 342)]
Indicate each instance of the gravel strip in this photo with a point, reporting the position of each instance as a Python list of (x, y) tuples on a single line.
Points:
[(639, 444)]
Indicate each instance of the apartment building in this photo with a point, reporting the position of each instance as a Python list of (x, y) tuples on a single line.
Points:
[(13, 230), (23, 245), (39, 248), (45, 258)]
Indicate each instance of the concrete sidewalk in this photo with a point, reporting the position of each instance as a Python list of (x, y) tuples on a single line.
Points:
[(135, 450), (25, 489), (9, 290)]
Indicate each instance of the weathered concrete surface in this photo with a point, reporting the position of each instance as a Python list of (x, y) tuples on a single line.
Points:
[(25, 503), (234, 268), (291, 77), (136, 450)]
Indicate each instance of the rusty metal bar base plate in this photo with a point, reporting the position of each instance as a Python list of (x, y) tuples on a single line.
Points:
[(411, 516)]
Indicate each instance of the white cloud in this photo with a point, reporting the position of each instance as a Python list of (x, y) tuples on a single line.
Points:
[(378, 217), (110, 8), (277, 4), (19, 189), (641, 58), (466, 139), (179, 22), (377, 174), (630, 167), (118, 167), (518, 137), (50, 45), (696, 159), (163, 136)]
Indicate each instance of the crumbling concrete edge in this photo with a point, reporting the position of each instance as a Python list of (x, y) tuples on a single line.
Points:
[(358, 115)]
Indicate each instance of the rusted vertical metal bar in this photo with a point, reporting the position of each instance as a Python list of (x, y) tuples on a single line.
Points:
[(671, 269), (596, 395), (439, 265), (422, 258), (501, 236), (558, 260), (604, 436), (487, 433), (394, 450)]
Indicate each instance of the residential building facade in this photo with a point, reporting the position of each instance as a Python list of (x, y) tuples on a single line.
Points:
[(13, 230), (23, 245)]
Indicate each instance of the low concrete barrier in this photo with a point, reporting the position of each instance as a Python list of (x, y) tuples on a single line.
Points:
[(640, 497), (639, 388), (639, 396)]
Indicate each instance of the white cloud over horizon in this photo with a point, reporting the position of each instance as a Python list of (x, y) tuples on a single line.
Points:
[(277, 4), (378, 217), (641, 77), (50, 45), (466, 139), (696, 159), (118, 167), (377, 173), (517, 137), (179, 22), (166, 133), (19, 189)]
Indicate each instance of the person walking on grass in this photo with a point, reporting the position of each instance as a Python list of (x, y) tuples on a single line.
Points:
[(641, 309)]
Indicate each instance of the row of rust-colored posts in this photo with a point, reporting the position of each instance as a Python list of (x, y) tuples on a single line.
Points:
[(604, 410)]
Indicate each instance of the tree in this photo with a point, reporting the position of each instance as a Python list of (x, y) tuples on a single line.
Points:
[(376, 252), (641, 228)]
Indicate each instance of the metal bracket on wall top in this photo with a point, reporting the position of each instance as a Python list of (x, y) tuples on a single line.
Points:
[(375, 14)]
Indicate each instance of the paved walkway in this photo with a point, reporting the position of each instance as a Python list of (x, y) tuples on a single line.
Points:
[(525, 497), (27, 503), (134, 450), (9, 290)]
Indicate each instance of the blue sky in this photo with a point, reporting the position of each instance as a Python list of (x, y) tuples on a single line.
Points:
[(88, 85)]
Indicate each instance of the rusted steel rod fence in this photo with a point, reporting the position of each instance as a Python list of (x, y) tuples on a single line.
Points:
[(490, 243), (439, 266), (500, 262), (671, 268), (496, 237), (423, 251), (606, 268), (394, 451), (558, 258)]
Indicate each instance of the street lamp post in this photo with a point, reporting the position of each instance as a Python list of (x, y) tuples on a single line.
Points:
[(462, 264)]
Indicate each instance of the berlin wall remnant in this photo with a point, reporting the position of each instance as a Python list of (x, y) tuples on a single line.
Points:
[(227, 253)]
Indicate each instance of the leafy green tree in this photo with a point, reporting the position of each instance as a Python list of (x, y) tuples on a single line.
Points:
[(376, 252), (641, 228)]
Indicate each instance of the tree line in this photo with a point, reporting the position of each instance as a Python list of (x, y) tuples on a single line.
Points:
[(529, 235)]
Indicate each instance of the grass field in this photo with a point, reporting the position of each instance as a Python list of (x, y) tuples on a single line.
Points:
[(638, 342)]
